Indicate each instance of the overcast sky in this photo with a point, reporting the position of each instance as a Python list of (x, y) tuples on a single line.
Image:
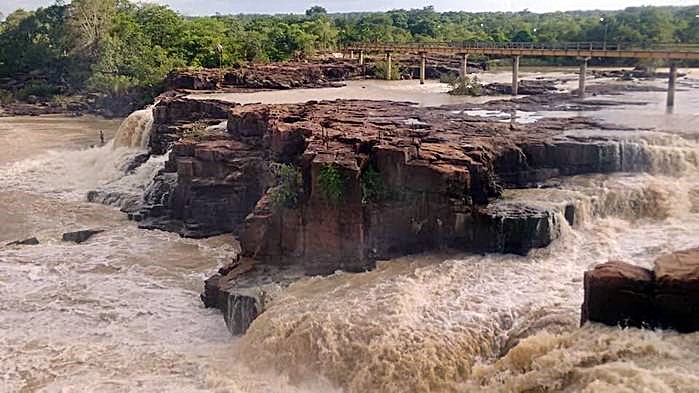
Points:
[(208, 7)]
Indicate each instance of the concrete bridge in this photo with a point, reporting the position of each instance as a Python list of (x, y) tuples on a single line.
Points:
[(581, 50)]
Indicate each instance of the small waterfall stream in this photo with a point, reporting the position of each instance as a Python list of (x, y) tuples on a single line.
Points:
[(134, 131), (100, 173)]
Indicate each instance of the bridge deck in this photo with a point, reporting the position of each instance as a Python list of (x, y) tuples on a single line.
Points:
[(570, 49)]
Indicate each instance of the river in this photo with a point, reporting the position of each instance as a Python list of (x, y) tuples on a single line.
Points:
[(121, 312)]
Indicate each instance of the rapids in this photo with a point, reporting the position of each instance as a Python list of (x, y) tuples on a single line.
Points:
[(121, 312)]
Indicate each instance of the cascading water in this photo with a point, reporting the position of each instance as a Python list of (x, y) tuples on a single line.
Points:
[(134, 131), (121, 312), (102, 171), (498, 323)]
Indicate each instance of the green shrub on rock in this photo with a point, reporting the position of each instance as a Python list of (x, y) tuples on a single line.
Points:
[(331, 183), (373, 189), (288, 183), (465, 86)]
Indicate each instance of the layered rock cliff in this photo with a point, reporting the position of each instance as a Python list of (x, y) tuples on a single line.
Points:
[(334, 185), (285, 75)]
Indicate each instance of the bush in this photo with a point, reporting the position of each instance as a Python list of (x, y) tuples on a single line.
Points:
[(465, 86), (111, 84), (331, 183), (39, 89), (6, 97), (381, 66), (372, 186), (288, 183)]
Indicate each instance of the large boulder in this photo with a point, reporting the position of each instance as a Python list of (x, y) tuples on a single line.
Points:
[(618, 293), (677, 290)]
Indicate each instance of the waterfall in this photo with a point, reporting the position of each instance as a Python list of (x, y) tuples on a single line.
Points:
[(135, 130), (103, 174)]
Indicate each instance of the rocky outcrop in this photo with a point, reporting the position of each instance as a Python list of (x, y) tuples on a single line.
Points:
[(377, 179), (525, 87), (323, 186), (618, 293), (285, 75), (175, 116)]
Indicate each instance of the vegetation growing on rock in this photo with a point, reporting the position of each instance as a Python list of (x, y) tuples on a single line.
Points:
[(373, 189), (331, 183), (289, 180), (465, 86)]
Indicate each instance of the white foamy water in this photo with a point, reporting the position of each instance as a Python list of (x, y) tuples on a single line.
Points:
[(73, 173), (443, 322), (121, 312)]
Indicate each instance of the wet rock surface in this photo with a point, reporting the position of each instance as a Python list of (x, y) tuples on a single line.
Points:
[(243, 288), (80, 236), (32, 241), (618, 293), (515, 228), (677, 290)]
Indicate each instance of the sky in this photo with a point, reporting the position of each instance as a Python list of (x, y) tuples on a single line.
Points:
[(210, 7)]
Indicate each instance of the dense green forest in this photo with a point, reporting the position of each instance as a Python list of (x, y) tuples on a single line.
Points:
[(116, 47)]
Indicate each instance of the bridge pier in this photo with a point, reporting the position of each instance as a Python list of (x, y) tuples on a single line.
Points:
[(671, 87), (423, 67), (463, 70), (582, 77), (361, 57), (515, 75), (351, 55), (388, 66)]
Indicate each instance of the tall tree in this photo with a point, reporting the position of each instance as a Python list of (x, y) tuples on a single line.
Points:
[(90, 21)]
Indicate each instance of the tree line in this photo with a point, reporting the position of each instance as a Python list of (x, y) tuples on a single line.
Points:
[(116, 47)]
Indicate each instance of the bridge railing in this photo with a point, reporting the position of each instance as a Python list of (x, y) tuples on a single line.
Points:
[(564, 46)]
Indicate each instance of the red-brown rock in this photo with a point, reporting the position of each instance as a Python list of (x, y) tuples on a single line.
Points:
[(618, 293), (284, 75), (677, 290)]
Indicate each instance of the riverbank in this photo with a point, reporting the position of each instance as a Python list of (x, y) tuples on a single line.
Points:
[(124, 307)]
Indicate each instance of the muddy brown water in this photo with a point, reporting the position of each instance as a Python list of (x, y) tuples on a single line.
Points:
[(121, 312)]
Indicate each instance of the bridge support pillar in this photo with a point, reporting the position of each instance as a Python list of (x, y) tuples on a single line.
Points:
[(463, 70), (671, 87), (423, 67), (388, 66), (582, 77), (361, 57), (515, 75), (351, 55)]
